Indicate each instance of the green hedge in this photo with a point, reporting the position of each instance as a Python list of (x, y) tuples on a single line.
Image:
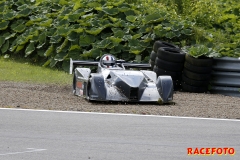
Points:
[(217, 23), (52, 31)]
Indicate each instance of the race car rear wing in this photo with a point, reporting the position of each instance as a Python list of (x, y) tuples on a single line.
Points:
[(74, 63)]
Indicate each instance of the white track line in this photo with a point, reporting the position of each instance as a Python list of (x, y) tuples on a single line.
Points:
[(121, 114), (30, 150)]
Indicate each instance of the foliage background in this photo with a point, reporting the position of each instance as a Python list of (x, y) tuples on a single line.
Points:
[(50, 32)]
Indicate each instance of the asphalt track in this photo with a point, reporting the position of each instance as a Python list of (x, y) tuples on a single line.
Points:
[(56, 135)]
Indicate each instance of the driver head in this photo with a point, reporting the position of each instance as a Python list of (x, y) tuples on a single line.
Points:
[(108, 61)]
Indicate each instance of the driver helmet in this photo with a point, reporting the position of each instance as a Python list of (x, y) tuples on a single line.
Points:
[(108, 61)]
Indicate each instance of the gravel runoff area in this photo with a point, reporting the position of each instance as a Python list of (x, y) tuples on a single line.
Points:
[(53, 97)]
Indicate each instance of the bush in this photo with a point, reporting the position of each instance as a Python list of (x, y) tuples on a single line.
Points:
[(50, 32), (54, 31)]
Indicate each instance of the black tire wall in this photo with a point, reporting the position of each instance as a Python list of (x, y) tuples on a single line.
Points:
[(159, 44), (196, 74), (169, 60)]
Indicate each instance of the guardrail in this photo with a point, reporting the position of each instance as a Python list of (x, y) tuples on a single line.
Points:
[(226, 76)]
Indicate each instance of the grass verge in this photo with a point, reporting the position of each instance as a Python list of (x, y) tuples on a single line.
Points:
[(11, 70)]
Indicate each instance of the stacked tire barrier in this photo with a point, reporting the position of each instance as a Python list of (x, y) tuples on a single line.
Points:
[(153, 56), (226, 76), (168, 59), (196, 74)]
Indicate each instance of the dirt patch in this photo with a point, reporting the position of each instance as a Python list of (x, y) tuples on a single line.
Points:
[(53, 97)]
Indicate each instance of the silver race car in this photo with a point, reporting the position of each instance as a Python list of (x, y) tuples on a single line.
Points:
[(113, 81)]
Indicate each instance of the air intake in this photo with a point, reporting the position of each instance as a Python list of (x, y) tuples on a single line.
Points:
[(133, 93)]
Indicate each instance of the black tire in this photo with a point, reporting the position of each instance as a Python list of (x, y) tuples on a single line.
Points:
[(201, 61), (196, 76), (159, 44), (169, 66), (176, 85), (193, 89), (197, 69), (152, 64), (162, 72), (153, 55), (193, 82), (171, 54)]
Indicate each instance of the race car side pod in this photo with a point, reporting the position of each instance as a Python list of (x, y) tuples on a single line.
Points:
[(74, 63)]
